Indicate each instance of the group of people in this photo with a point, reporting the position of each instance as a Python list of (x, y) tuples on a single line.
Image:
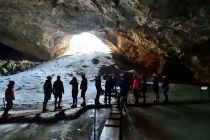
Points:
[(165, 87), (141, 86), (125, 83), (135, 83), (58, 90)]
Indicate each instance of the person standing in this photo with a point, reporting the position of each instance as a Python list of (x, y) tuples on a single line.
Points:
[(47, 92), (156, 87), (74, 84), (108, 89), (115, 81), (144, 88), (136, 85), (83, 87), (98, 88), (165, 87), (9, 97), (58, 90), (124, 88)]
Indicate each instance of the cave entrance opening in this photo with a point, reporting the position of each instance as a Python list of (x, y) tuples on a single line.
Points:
[(86, 43)]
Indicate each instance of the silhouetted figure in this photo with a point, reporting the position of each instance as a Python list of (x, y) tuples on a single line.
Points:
[(98, 88), (74, 84), (165, 87), (47, 92), (58, 90), (9, 97), (143, 88), (83, 87), (136, 85), (124, 88), (108, 89), (156, 87)]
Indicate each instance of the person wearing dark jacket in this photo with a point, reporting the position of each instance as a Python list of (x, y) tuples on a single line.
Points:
[(58, 90), (144, 88), (108, 89), (156, 87), (83, 87), (9, 97), (74, 84), (98, 88), (124, 88), (165, 87), (47, 92)]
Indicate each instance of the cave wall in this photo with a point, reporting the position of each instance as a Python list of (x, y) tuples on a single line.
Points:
[(139, 49), (146, 32)]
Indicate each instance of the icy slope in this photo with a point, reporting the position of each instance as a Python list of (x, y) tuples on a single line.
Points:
[(29, 84)]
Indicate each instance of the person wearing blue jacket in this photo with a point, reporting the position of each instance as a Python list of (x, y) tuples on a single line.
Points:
[(124, 87)]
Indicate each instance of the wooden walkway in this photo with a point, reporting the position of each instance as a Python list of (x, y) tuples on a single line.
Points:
[(112, 127)]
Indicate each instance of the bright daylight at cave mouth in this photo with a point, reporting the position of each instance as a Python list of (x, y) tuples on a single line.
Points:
[(86, 43)]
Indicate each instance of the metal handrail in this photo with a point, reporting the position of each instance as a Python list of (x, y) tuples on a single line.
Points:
[(126, 110)]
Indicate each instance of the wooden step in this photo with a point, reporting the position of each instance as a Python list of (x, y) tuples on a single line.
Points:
[(111, 125), (112, 122), (110, 133)]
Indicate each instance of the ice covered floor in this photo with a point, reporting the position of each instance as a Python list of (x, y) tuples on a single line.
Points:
[(29, 84)]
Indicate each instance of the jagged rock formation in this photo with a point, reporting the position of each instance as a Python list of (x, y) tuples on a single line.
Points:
[(8, 67), (150, 33)]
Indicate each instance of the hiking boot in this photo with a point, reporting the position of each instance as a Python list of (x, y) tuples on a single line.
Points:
[(4, 115), (83, 104), (44, 110), (73, 106)]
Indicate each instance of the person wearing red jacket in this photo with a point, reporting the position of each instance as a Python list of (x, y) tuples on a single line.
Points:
[(136, 85), (9, 97)]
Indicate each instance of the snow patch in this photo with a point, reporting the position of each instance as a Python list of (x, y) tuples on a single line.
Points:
[(29, 84)]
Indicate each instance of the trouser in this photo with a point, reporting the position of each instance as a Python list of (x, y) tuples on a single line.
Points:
[(165, 95), (46, 98), (121, 98), (144, 96), (98, 96), (74, 96), (83, 96), (59, 98), (8, 107), (157, 95), (135, 92), (107, 96), (75, 100)]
